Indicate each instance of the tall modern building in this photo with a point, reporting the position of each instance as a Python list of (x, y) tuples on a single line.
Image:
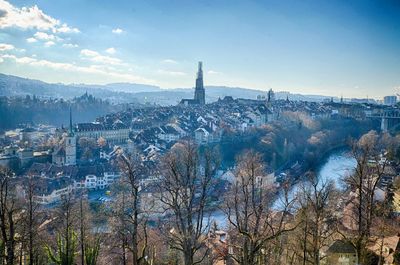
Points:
[(199, 92), (390, 100)]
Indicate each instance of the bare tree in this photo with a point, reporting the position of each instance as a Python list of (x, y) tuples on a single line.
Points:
[(185, 189), (371, 164), (82, 230), (67, 239), (89, 240), (9, 216), (317, 200), (119, 225), (31, 219), (131, 219), (249, 207)]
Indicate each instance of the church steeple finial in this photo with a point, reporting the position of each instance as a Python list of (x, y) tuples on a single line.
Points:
[(200, 70), (70, 121)]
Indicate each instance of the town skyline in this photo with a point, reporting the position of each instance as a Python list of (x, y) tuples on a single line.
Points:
[(331, 49)]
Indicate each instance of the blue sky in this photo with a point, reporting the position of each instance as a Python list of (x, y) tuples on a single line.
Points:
[(311, 47)]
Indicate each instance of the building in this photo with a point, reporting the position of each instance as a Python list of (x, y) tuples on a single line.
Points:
[(270, 96), (28, 135), (49, 191), (25, 156), (216, 241), (396, 202), (65, 154), (205, 135), (199, 91), (169, 133), (100, 181), (116, 133), (70, 144), (390, 100), (341, 253), (385, 247)]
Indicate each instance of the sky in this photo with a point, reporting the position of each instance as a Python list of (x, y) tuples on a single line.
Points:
[(349, 48)]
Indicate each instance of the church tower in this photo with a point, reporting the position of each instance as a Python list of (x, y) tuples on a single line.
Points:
[(199, 92), (70, 144)]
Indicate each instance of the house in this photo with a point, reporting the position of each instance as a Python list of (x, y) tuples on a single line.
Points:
[(58, 157), (341, 253), (168, 133), (49, 191), (28, 135), (90, 181), (206, 135), (100, 181), (25, 156), (267, 180), (201, 135), (216, 241), (396, 202), (385, 247)]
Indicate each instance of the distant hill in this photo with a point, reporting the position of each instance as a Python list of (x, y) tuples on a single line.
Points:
[(130, 92), (17, 86), (124, 87)]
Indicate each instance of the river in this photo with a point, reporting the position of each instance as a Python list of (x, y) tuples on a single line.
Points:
[(337, 165)]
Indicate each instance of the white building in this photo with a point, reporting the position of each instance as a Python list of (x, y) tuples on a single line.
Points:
[(70, 149), (117, 133), (100, 182), (206, 135)]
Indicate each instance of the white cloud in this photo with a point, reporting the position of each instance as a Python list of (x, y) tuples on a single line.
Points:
[(69, 67), (111, 50), (171, 73), (117, 31), (65, 29), (25, 60), (89, 53), (31, 40), (169, 61), (49, 43), (98, 58), (70, 45), (30, 17), (6, 47), (211, 72), (44, 36)]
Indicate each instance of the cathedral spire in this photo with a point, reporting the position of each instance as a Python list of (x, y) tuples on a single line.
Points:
[(199, 92)]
